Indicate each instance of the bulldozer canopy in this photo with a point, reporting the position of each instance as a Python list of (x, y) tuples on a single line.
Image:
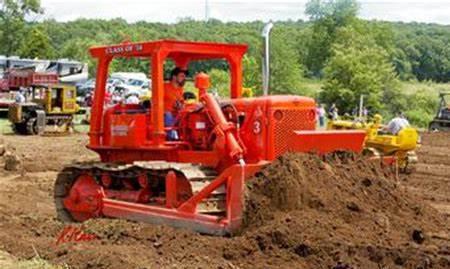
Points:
[(175, 49)]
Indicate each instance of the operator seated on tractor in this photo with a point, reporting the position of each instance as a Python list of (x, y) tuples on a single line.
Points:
[(20, 97), (397, 124), (173, 99)]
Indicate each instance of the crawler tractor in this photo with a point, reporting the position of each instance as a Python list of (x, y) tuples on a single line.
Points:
[(197, 180), (50, 111), (442, 120), (379, 143)]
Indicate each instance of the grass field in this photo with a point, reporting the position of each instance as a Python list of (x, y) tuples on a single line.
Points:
[(431, 88), (5, 126), (407, 87)]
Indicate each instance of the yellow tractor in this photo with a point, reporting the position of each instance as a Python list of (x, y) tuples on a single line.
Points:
[(381, 143), (50, 110)]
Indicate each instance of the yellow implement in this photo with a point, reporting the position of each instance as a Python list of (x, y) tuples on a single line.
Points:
[(377, 142)]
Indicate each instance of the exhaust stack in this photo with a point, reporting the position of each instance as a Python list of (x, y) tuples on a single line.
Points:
[(266, 61)]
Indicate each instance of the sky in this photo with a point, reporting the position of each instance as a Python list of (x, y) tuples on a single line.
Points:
[(171, 11)]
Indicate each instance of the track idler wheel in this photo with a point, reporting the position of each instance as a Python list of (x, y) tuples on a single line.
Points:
[(84, 199), (32, 128), (77, 196)]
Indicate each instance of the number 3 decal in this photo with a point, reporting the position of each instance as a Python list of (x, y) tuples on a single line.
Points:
[(256, 127)]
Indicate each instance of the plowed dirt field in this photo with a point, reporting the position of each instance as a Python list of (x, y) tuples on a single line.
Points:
[(303, 212)]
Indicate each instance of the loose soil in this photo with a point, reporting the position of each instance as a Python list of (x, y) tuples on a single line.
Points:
[(302, 213)]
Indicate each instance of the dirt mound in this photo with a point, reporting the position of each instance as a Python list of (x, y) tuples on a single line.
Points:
[(347, 211), (9, 160)]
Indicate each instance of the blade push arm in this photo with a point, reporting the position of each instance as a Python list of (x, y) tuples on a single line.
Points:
[(235, 150)]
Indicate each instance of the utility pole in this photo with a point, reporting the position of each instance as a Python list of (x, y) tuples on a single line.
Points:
[(266, 57), (206, 11), (361, 106)]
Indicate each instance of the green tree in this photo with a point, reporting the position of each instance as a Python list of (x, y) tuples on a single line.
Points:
[(340, 10), (286, 71), (420, 108), (358, 66), (417, 51), (252, 73), (36, 44), (423, 51), (12, 22), (327, 17), (220, 81)]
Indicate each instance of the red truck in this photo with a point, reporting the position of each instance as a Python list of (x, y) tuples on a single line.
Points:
[(22, 78)]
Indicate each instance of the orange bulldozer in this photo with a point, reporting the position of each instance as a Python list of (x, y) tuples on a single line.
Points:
[(196, 180)]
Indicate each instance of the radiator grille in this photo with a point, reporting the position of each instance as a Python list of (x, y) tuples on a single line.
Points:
[(292, 120)]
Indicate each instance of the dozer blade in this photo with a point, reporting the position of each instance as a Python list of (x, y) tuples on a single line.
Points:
[(328, 141), (58, 130)]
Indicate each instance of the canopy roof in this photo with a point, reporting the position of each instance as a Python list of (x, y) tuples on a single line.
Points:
[(175, 49)]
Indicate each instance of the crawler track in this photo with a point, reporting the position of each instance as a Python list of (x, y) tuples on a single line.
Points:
[(198, 177)]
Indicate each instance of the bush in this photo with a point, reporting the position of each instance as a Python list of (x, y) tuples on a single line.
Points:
[(358, 67), (419, 107)]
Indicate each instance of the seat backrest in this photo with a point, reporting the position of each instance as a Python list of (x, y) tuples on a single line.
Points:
[(407, 138)]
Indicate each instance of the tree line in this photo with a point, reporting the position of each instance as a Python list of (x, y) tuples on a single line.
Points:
[(352, 56)]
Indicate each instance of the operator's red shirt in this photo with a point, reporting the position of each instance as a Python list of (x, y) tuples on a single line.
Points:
[(172, 94)]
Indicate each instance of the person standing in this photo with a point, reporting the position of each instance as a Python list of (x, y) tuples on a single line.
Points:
[(365, 112), (332, 112), (335, 114), (321, 115)]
